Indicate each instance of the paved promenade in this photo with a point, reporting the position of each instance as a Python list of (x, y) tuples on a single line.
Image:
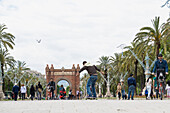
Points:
[(86, 106)]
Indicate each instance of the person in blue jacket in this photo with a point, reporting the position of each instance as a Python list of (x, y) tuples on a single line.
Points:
[(160, 66), (15, 91), (131, 85)]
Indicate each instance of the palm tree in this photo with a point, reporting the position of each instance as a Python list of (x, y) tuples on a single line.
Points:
[(165, 40), (6, 39), (155, 34), (5, 60), (104, 65)]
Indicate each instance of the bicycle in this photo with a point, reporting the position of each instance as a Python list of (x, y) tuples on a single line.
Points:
[(161, 80)]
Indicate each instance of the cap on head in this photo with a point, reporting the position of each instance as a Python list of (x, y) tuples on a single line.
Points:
[(84, 62), (121, 80), (15, 84), (160, 55)]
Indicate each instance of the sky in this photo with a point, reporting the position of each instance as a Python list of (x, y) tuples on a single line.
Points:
[(72, 31)]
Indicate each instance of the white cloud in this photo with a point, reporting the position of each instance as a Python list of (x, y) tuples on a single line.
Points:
[(73, 31)]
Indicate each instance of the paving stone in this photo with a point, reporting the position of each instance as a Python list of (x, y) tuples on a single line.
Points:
[(85, 106)]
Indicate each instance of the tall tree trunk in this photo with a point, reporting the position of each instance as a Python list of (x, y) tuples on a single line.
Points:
[(157, 49), (136, 67), (141, 82), (143, 79), (105, 83), (3, 79)]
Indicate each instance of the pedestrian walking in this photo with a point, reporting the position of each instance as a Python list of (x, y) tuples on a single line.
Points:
[(168, 89), (23, 91), (131, 85), (15, 91), (52, 87), (32, 92), (123, 89), (92, 70), (149, 86), (70, 94), (119, 90), (39, 86), (77, 94)]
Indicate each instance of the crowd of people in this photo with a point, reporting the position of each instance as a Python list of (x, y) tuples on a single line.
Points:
[(23, 91), (160, 71), (152, 88)]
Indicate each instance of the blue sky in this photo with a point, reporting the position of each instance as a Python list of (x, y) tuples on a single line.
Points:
[(74, 30)]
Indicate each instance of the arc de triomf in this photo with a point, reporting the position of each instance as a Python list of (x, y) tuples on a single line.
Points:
[(64, 74)]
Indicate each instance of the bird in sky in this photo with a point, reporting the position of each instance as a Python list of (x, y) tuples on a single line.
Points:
[(39, 41)]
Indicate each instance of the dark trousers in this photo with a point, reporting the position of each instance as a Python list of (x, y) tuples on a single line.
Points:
[(23, 96), (15, 96), (157, 93), (32, 96), (119, 95), (52, 91)]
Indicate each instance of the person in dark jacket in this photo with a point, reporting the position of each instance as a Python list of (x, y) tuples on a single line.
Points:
[(52, 87), (15, 91), (131, 85), (161, 66), (92, 70), (32, 92), (39, 90)]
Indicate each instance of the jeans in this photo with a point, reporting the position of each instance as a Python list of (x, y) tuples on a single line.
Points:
[(39, 95), (23, 96), (123, 94), (91, 82), (131, 89)]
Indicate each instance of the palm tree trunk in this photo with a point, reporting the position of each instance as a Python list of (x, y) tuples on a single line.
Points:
[(105, 84), (143, 79), (158, 47), (136, 67), (3, 85)]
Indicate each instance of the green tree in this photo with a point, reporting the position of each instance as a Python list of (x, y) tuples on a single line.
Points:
[(155, 34), (6, 39), (6, 60), (104, 63)]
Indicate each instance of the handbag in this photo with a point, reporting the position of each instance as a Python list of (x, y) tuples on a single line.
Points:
[(39, 90)]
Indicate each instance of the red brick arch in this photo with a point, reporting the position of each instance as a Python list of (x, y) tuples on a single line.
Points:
[(64, 74)]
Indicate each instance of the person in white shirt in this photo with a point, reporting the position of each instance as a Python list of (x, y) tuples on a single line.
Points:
[(148, 86), (168, 89), (23, 91)]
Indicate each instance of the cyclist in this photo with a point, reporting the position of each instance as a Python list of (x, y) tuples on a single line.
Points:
[(161, 68)]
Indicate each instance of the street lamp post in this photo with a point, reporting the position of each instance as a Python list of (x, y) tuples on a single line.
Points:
[(146, 67)]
